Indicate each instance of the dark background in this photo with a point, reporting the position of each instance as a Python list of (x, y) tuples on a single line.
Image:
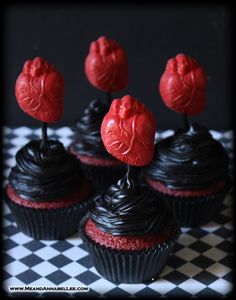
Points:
[(150, 34)]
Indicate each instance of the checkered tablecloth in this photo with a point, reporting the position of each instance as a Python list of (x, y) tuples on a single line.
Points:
[(201, 264)]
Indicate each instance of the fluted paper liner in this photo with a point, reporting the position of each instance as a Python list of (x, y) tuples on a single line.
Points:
[(48, 224), (132, 266)]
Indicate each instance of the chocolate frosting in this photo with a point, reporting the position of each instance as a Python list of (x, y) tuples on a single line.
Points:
[(190, 159), (128, 208), (44, 174), (87, 137)]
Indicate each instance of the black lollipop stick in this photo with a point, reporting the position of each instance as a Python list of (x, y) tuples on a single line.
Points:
[(44, 142), (186, 122)]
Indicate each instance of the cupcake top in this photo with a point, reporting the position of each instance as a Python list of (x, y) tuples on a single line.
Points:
[(44, 174), (130, 209), (87, 137), (190, 159)]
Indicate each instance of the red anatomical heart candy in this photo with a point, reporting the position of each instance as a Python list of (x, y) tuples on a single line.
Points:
[(128, 131), (40, 90), (183, 85), (106, 65)]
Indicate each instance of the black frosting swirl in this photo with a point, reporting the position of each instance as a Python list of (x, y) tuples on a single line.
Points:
[(43, 174), (87, 137), (190, 159), (130, 209)]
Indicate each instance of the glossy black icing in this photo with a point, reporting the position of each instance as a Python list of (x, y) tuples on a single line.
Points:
[(128, 208), (45, 173), (87, 137), (189, 159)]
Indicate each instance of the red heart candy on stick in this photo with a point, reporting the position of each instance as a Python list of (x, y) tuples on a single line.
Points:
[(183, 85), (40, 90), (106, 65), (128, 131)]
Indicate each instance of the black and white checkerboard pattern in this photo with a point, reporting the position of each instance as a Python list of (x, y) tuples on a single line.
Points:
[(201, 264)]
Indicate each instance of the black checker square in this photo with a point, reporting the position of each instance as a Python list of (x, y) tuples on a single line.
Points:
[(60, 261), (28, 276), (49, 267), (10, 230), (176, 277), (200, 246), (34, 245), (205, 277), (57, 277), (175, 261), (87, 277), (86, 262), (202, 261), (61, 246), (178, 293), (31, 260)]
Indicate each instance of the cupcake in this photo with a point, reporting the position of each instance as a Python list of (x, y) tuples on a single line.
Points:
[(190, 172), (190, 168), (129, 233), (47, 184), (106, 68), (98, 165)]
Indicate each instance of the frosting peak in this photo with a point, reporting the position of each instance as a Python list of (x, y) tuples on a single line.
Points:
[(87, 130), (190, 159), (44, 174), (130, 209)]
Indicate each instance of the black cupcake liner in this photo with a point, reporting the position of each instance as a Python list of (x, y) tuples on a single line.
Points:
[(121, 266), (103, 177), (195, 211), (48, 224)]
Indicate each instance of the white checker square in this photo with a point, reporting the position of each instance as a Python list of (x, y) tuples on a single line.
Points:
[(44, 268), (192, 286), (19, 141), (187, 254), (189, 269), (22, 131), (102, 286), (132, 288), (218, 269), (212, 239), (186, 239), (46, 253), (19, 252), (64, 131), (215, 254), (211, 226), (216, 134), (21, 238), (14, 268), (162, 286), (73, 269), (74, 253), (221, 286)]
